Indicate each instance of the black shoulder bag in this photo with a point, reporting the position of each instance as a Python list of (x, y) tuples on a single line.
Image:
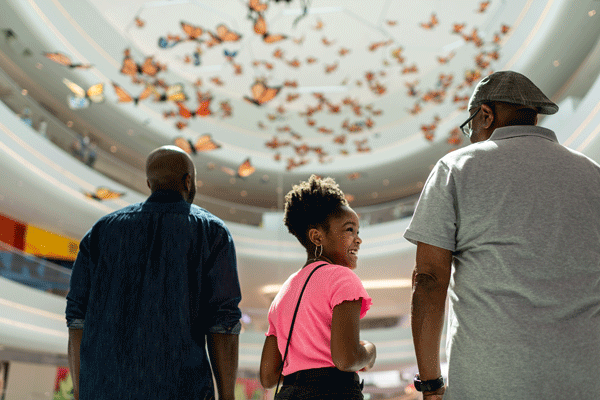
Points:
[(287, 346)]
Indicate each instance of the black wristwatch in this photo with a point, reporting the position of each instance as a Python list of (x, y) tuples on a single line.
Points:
[(428, 386)]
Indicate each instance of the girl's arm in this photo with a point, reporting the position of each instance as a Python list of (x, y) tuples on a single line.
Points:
[(270, 363), (349, 353)]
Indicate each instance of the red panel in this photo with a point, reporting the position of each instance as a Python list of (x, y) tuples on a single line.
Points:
[(7, 230), (12, 232)]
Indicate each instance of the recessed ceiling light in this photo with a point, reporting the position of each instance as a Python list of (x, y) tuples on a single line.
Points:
[(243, 193), (113, 149), (556, 63), (199, 183), (70, 124), (592, 13), (24, 92)]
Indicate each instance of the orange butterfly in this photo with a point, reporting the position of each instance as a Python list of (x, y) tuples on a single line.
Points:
[(280, 109), (275, 143), (292, 84), (473, 37), (331, 68), (458, 99), (354, 176), (325, 130), (226, 108), (192, 32), (416, 109), (378, 89), (124, 97), (203, 109), (504, 29), (104, 193), (202, 144), (245, 169), (433, 21), (217, 81), (341, 139), (343, 51), (391, 23), (139, 23), (299, 41), (292, 164), (131, 68), (65, 60), (319, 25), (327, 42), (278, 53), (457, 28), (291, 97), (483, 6), (257, 6), (261, 93), (311, 60), (223, 34), (310, 122), (444, 60), (260, 28), (375, 45), (361, 146), (295, 63), (181, 125), (412, 69)]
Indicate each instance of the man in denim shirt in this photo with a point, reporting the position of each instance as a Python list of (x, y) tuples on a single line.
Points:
[(154, 283)]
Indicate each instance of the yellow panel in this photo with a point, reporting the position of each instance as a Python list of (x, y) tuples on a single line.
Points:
[(47, 244)]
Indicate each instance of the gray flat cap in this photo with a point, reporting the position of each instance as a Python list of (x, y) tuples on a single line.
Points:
[(511, 87)]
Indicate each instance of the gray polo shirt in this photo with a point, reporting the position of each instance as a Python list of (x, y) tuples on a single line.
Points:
[(521, 214)]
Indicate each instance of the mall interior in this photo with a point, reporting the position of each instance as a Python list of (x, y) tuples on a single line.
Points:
[(261, 94)]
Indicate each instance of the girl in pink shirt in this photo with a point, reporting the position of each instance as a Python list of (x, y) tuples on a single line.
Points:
[(325, 351)]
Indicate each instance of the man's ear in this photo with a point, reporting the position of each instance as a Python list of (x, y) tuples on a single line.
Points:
[(148, 183), (488, 116)]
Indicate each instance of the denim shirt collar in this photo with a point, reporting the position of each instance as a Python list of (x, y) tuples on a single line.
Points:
[(507, 132), (165, 196)]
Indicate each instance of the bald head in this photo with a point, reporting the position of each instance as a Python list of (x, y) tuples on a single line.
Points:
[(170, 168)]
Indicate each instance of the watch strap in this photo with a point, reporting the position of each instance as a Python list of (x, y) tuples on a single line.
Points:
[(428, 386)]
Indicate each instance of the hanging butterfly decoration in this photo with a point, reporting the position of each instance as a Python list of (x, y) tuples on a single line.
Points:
[(203, 144), (261, 93), (203, 109), (245, 169), (260, 28), (138, 22), (192, 32), (375, 45), (173, 93), (104, 193), (133, 69), (81, 97), (62, 59), (124, 97), (432, 23), (222, 34), (483, 7), (230, 57)]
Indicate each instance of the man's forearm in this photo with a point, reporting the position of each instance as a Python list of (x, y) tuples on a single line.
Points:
[(223, 352), (75, 336), (427, 320)]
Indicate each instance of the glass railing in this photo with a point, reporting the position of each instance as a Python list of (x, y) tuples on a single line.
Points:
[(33, 271)]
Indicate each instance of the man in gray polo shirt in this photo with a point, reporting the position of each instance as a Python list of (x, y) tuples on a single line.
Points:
[(509, 227)]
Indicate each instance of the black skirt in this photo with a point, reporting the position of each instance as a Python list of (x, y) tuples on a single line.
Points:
[(321, 384)]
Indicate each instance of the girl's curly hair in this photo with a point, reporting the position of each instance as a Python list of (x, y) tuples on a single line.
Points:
[(310, 204)]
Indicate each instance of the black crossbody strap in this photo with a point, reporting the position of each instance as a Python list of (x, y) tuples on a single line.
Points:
[(287, 346)]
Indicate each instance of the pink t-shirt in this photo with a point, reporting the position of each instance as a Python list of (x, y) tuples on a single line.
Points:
[(329, 286)]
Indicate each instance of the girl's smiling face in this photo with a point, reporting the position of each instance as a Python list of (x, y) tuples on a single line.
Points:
[(341, 241)]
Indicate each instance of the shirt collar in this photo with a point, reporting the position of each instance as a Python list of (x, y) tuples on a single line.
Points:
[(165, 196), (507, 132)]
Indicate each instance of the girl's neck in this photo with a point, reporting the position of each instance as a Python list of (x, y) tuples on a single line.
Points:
[(313, 260)]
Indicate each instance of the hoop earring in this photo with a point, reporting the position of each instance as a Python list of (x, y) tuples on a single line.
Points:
[(320, 253)]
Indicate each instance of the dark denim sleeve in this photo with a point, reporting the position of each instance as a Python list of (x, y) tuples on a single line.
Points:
[(79, 288), (221, 287)]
